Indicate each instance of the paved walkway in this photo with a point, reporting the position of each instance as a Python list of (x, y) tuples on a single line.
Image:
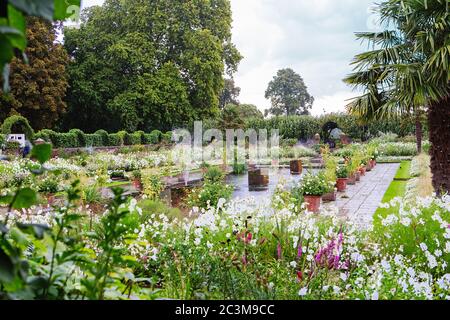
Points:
[(360, 201)]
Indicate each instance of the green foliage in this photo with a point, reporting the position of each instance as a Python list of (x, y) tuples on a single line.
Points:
[(39, 84), (288, 94), (160, 81), (13, 27), (342, 172), (104, 137), (213, 189), (48, 186), (14, 123), (316, 184), (152, 184)]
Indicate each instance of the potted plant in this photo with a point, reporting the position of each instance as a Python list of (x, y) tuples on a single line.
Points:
[(137, 179), (313, 188), (342, 178)]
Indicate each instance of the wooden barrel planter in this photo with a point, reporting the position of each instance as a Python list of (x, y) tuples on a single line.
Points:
[(258, 180), (296, 167)]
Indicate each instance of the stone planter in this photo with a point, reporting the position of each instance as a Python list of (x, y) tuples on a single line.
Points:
[(341, 184), (258, 180), (351, 180), (313, 203), (329, 197), (296, 167), (358, 176)]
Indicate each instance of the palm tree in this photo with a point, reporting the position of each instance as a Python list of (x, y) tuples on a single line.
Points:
[(410, 70)]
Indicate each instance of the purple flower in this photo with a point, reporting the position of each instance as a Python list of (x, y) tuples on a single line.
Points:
[(299, 252)]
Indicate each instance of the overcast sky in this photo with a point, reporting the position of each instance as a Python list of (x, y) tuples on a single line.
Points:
[(315, 38)]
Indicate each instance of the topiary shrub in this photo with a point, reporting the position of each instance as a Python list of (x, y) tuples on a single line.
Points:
[(135, 138), (93, 140), (115, 140), (167, 138), (149, 138), (64, 140), (81, 139), (104, 136), (125, 137), (11, 124)]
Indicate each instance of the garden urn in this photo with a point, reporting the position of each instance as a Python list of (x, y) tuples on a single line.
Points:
[(341, 184), (313, 203)]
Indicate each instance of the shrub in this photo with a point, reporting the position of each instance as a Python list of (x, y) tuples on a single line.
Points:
[(93, 140), (48, 186), (64, 140), (81, 140), (115, 140), (12, 145), (316, 184), (13, 122), (135, 138), (104, 135), (167, 138), (46, 135), (124, 136)]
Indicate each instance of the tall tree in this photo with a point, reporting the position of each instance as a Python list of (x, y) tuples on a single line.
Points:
[(425, 26), (38, 88), (288, 94), (230, 94), (139, 65)]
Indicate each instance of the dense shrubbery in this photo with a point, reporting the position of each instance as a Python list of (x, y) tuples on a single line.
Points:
[(76, 138), (305, 127)]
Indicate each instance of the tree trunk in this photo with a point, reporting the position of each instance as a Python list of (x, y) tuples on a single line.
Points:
[(419, 133), (439, 125)]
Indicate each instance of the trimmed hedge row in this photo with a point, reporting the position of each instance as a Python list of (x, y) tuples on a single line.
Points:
[(305, 127), (76, 138)]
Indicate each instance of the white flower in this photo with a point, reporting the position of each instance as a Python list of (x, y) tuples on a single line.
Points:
[(423, 246), (293, 264), (303, 292), (375, 295), (197, 241), (271, 286)]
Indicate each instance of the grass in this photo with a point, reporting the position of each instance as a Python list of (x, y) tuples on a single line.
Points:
[(396, 189), (403, 172)]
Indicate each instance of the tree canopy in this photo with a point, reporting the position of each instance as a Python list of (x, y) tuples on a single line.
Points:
[(288, 94), (38, 86), (140, 65), (230, 93)]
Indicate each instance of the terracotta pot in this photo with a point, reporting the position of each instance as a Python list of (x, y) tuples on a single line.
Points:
[(50, 199), (352, 180), (362, 171), (373, 163), (313, 203), (329, 197), (137, 184), (358, 176), (341, 184), (369, 167)]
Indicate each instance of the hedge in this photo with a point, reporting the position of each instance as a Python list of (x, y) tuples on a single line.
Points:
[(305, 127), (76, 138), (16, 120)]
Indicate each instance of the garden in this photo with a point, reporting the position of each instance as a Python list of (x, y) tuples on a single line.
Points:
[(100, 200)]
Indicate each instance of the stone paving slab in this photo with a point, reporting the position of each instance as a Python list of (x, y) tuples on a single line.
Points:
[(360, 201)]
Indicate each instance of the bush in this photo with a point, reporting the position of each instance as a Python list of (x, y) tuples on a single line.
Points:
[(81, 140), (64, 140), (167, 138), (13, 122), (149, 138), (135, 138), (115, 140), (93, 140), (104, 135)]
